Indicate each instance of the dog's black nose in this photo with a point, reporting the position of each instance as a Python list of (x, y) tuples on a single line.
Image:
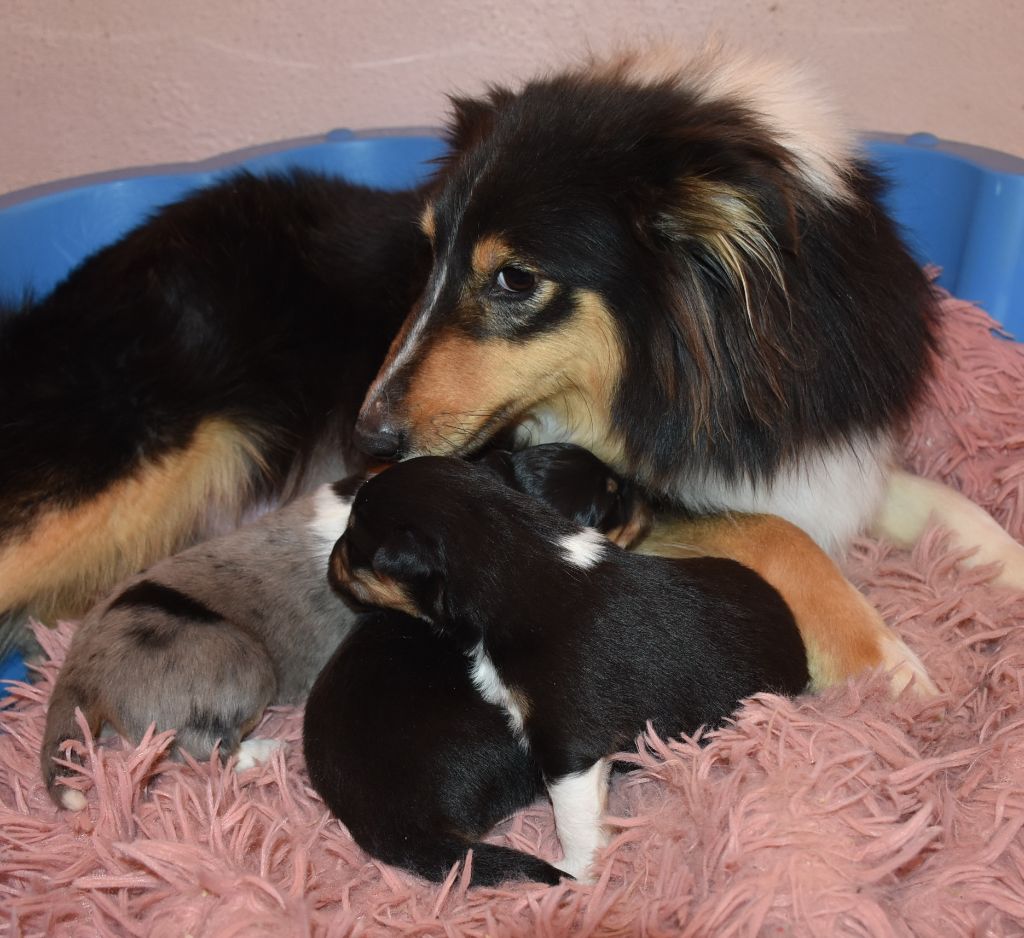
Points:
[(376, 434)]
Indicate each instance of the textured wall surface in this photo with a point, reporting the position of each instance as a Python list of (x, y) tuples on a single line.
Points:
[(88, 86)]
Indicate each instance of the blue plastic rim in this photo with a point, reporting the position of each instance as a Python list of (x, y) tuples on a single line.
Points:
[(960, 207)]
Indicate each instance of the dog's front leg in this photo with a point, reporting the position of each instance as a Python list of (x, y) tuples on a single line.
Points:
[(911, 502), (579, 801)]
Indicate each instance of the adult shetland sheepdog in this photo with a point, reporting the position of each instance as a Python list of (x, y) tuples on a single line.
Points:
[(685, 268)]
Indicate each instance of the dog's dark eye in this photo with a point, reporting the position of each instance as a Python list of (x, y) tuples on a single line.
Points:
[(515, 280)]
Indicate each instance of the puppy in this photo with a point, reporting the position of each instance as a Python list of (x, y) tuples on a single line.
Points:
[(580, 642), (395, 719), (204, 641), (412, 760)]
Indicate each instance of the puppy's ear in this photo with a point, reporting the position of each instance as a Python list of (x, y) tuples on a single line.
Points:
[(499, 462), (473, 119), (415, 562)]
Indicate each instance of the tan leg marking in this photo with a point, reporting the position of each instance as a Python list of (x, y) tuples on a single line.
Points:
[(72, 555), (843, 634)]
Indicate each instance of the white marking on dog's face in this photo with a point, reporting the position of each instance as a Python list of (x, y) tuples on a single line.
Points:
[(487, 680), (330, 518), (410, 346), (585, 549), (579, 802)]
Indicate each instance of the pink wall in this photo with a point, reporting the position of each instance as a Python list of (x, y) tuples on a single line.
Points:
[(94, 85)]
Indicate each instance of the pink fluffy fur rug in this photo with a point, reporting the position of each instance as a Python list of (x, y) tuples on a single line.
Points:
[(843, 814)]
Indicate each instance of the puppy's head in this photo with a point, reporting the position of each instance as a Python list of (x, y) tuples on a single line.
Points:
[(608, 244), (393, 550), (576, 484), (442, 539)]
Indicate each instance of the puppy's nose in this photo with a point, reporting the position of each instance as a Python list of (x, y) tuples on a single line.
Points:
[(377, 434)]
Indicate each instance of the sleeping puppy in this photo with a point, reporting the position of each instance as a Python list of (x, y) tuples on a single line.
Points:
[(204, 641), (412, 760), (395, 718), (580, 642)]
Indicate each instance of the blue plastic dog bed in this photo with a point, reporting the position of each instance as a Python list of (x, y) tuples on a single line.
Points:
[(961, 207)]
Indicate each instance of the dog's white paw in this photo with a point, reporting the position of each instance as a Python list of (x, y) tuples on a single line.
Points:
[(254, 752), (904, 668)]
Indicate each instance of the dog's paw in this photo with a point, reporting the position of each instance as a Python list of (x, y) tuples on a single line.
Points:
[(905, 669)]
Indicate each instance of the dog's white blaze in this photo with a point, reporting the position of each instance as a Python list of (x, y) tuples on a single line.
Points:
[(330, 518), (584, 549), (409, 346), (486, 679), (833, 494), (579, 802)]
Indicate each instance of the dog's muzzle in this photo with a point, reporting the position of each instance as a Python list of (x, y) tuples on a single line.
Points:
[(377, 433)]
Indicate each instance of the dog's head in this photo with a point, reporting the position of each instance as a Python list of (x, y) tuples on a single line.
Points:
[(608, 244)]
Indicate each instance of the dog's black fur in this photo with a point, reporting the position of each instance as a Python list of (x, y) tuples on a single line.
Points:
[(409, 756), (588, 653), (268, 300), (398, 741)]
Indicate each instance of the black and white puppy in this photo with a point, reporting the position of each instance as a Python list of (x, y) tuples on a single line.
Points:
[(579, 642), (400, 743)]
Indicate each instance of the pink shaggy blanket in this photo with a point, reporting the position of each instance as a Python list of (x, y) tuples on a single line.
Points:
[(843, 814)]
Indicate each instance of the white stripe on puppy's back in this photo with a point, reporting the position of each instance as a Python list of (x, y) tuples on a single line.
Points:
[(330, 518), (487, 680), (585, 549)]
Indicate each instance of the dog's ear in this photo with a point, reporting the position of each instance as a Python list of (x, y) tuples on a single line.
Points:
[(472, 119), (415, 562), (732, 235)]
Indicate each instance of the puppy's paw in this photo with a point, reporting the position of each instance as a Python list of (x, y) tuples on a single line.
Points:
[(254, 752), (71, 799)]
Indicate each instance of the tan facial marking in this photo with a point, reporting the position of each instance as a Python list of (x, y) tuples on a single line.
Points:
[(489, 254), (462, 382), (381, 591)]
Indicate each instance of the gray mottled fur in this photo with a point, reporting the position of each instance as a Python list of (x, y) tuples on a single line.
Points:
[(275, 623)]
